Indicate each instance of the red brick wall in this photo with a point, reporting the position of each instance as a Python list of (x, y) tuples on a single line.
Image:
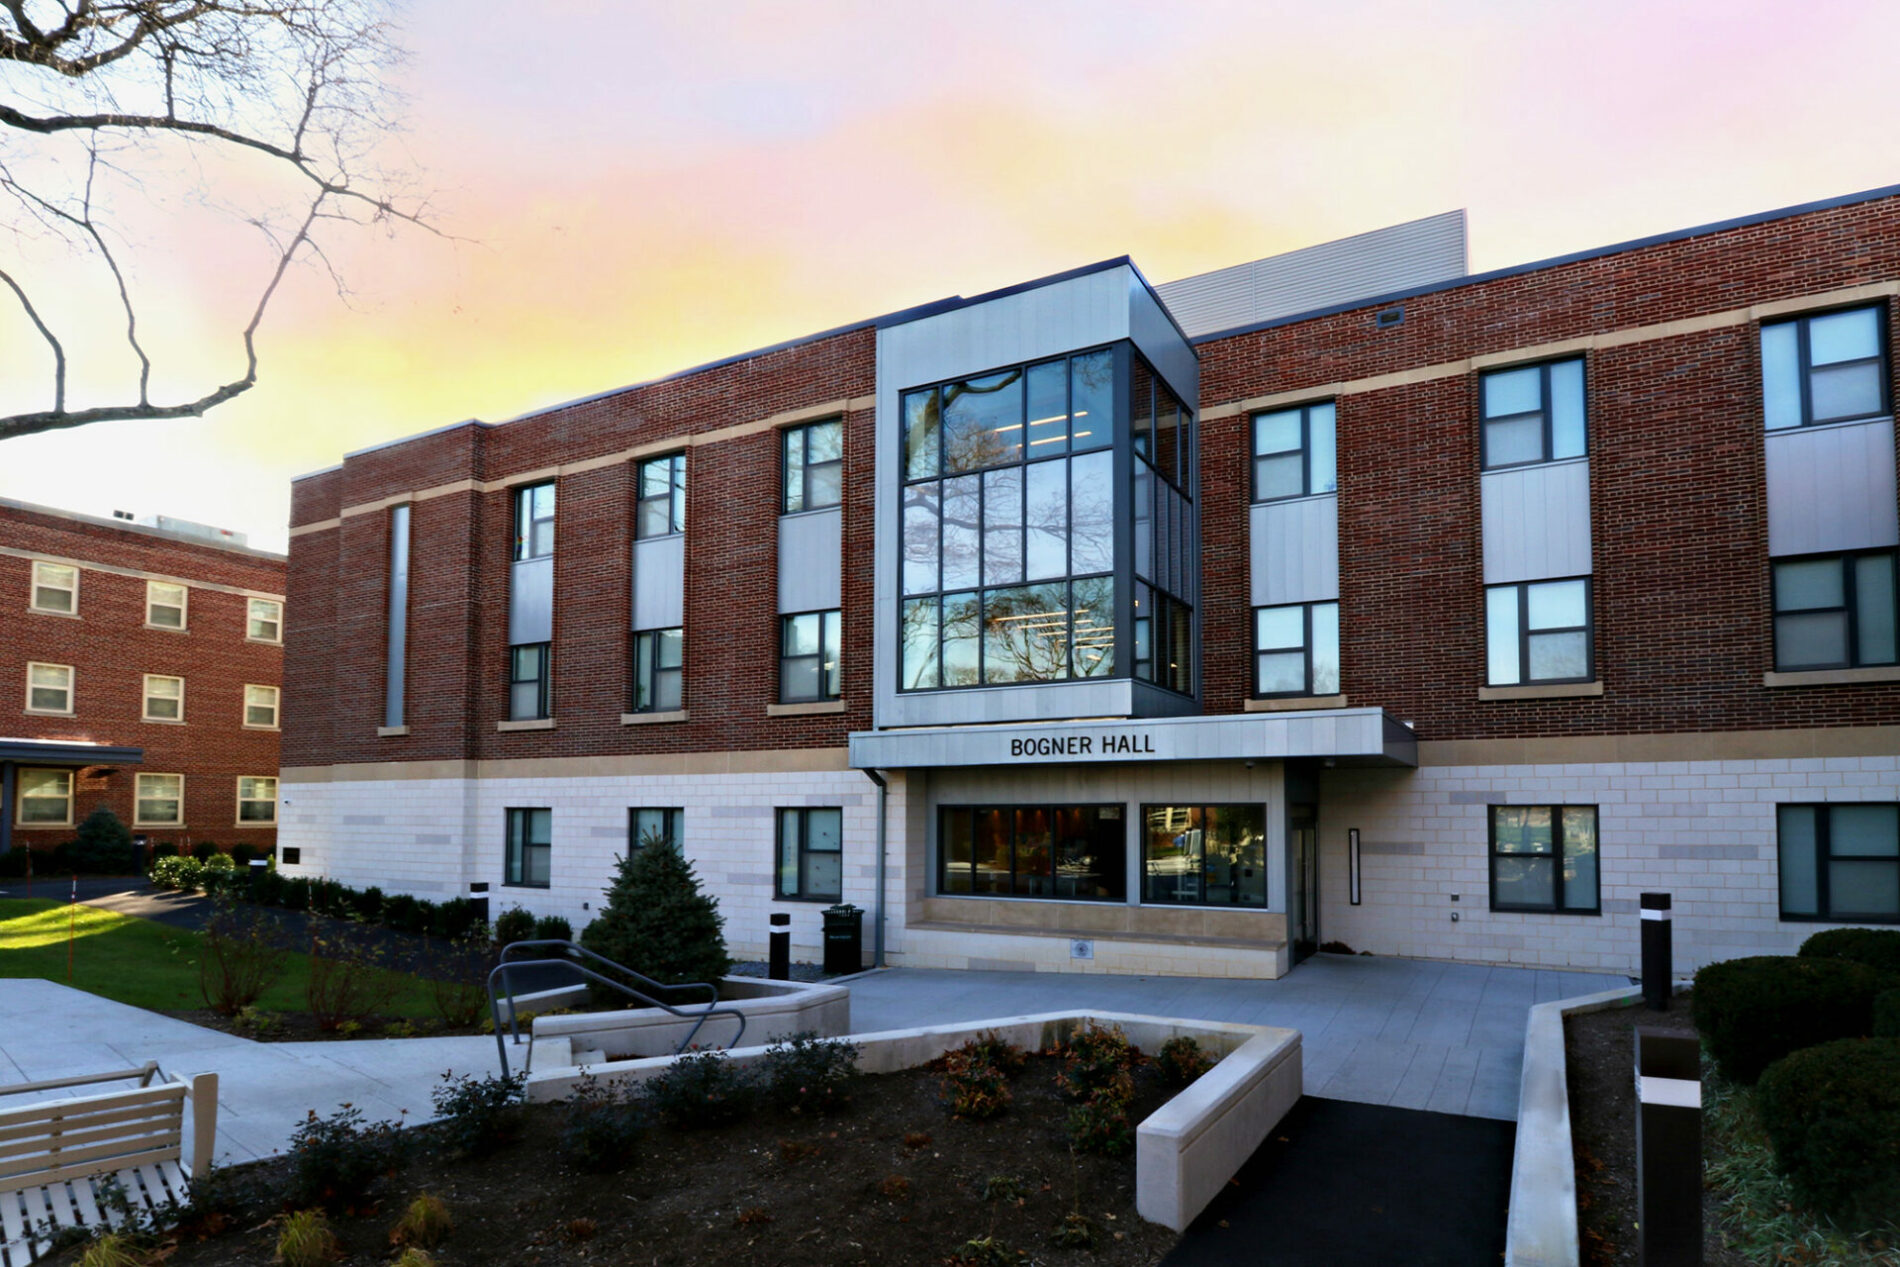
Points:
[(111, 650)]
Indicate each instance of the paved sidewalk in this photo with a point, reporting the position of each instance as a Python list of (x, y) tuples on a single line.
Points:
[(1409, 1033), (49, 1030)]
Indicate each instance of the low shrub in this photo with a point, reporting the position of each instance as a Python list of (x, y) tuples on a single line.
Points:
[(305, 1240), (336, 1160), (219, 875), (414, 1256), (117, 1249), (13, 862), (1077, 1231), (266, 887), (475, 1116), (1832, 1113), (1097, 1061), (601, 1128), (1101, 1125), (296, 893), (808, 1074), (553, 928), (699, 1090), (458, 979), (1887, 1014), (367, 904), (163, 849), (426, 1223), (453, 918), (1753, 1011), (238, 958), (1181, 1060), (1878, 948), (177, 873), (204, 851), (329, 897), (350, 978), (401, 912), (994, 1049), (974, 1087), (243, 855), (513, 925), (104, 845)]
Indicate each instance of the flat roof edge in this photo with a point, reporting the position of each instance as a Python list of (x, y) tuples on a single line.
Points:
[(146, 530)]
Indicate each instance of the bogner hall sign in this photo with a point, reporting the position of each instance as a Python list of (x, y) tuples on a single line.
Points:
[(1133, 744)]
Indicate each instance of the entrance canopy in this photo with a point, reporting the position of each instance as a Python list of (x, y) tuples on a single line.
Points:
[(1347, 736), (57, 754)]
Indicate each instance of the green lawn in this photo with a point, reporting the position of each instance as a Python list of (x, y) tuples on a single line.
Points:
[(138, 961)]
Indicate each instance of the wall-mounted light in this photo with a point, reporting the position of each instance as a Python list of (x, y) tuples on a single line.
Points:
[(1352, 864)]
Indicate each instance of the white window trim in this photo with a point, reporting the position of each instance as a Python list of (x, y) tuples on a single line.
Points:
[(249, 823), (138, 801), (278, 641), (19, 798), (145, 700), (72, 680), (184, 607), (33, 588), (276, 706)]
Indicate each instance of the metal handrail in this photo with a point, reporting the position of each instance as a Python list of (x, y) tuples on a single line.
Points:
[(568, 960)]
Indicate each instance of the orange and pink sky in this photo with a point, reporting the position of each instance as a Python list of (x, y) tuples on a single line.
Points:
[(633, 188)]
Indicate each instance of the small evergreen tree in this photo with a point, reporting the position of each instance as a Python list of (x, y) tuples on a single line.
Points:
[(657, 922), (104, 846)]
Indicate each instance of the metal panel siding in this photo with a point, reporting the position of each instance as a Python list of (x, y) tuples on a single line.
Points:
[(1401, 257), (1536, 522), (811, 561), (1832, 488), (1049, 320), (659, 582), (1166, 350), (396, 654), (531, 602), (1295, 551)]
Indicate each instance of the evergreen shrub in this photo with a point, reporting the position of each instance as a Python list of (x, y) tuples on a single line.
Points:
[(1753, 1011), (1878, 948), (657, 922), (1832, 1113)]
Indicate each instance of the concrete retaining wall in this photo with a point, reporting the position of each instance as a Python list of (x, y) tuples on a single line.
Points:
[(772, 1010)]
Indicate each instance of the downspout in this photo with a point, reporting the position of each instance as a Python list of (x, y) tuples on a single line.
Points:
[(877, 925)]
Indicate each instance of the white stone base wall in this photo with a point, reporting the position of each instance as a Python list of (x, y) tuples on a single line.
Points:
[(1005, 952), (1701, 831)]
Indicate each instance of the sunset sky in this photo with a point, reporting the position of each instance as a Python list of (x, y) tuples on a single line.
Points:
[(633, 188)]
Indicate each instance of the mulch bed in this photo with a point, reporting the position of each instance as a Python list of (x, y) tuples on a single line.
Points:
[(891, 1180), (301, 1027), (1600, 1050)]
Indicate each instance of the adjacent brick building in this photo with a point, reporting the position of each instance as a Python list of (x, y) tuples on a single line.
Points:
[(1334, 598), (144, 665)]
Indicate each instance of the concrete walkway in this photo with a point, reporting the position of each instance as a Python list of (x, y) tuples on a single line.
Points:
[(1409, 1033)]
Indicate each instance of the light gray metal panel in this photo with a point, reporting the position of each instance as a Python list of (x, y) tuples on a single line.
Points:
[(1043, 321), (1295, 551), (531, 602), (1536, 522), (1832, 488), (659, 582), (1401, 257), (810, 560), (1161, 343), (397, 651)]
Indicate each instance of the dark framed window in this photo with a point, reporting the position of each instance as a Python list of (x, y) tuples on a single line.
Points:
[(659, 508), (1840, 862), (1533, 413), (808, 665), (1539, 631), (810, 855), (1295, 452), (1204, 855), (1825, 367), (530, 693), (1296, 649), (812, 466), (1835, 611), (1544, 858), (530, 848), (659, 657), (654, 826), (1076, 852), (534, 521)]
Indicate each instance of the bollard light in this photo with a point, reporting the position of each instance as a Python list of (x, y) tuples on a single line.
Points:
[(779, 968), (1669, 1148), (1658, 950)]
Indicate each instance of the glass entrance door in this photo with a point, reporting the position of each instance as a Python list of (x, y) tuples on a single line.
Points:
[(1302, 908)]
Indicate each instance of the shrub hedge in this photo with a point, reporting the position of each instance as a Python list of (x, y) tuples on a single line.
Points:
[(1832, 1113), (1878, 948), (220, 873), (1754, 1011), (1887, 1014)]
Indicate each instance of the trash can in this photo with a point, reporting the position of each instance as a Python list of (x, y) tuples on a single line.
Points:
[(844, 938)]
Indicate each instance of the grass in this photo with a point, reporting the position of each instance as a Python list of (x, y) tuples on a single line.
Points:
[(137, 961)]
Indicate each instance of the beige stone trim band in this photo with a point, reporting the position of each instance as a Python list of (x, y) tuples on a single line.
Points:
[(671, 765), (1833, 677), (1294, 703), (1547, 690), (1716, 745), (805, 710), (135, 574), (650, 719), (532, 723), (1561, 347)]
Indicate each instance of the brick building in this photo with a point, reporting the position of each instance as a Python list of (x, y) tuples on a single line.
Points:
[(146, 662), (1339, 597)]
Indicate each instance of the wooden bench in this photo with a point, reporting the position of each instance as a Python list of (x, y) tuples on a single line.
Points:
[(59, 1156)]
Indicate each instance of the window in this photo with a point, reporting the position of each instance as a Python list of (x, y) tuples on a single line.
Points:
[(1294, 453), (46, 798), (529, 695), (264, 620), (260, 707), (164, 605), (1296, 649), (1533, 414), (814, 466), (654, 827), (1538, 631), (811, 855), (1544, 858), (160, 801), (530, 847), (658, 657), (49, 688), (1834, 612), (1831, 367), (660, 497), (164, 698), (808, 657), (1840, 862), (55, 589), (1204, 855), (257, 801), (1045, 851), (534, 522)]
